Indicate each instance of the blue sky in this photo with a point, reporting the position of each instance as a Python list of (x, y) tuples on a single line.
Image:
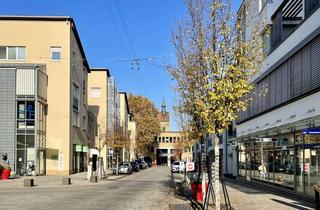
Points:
[(148, 24)]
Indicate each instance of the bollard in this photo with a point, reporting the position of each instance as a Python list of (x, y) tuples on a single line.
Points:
[(66, 181), (28, 182), (93, 179)]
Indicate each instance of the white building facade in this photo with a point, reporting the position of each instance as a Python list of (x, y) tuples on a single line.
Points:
[(277, 141)]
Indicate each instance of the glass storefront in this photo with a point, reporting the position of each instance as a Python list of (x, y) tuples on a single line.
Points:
[(26, 155), (288, 160), (31, 135)]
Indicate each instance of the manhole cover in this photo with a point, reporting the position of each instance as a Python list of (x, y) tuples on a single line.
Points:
[(179, 207)]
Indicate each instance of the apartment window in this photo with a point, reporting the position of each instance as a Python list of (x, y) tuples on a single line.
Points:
[(12, 53), (75, 118), (56, 53), (84, 123), (95, 92), (174, 139), (167, 139), (75, 105)]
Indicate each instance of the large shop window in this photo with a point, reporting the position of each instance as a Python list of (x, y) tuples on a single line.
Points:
[(270, 160), (308, 163)]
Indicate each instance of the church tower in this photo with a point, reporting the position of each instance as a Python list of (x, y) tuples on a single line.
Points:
[(164, 118)]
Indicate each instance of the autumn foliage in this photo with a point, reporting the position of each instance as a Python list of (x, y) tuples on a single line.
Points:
[(145, 114)]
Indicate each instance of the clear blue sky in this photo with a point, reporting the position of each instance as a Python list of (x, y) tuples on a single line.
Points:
[(148, 23)]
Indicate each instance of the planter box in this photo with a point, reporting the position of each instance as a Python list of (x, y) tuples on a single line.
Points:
[(5, 174)]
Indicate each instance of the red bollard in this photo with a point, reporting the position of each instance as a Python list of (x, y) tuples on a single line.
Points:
[(196, 189)]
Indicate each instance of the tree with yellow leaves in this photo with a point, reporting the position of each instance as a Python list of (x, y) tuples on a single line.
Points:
[(215, 67), (117, 141), (145, 114)]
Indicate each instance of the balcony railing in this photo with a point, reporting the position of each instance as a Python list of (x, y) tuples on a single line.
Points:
[(288, 16)]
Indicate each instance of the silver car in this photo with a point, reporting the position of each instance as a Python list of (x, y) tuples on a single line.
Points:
[(125, 168), (175, 166)]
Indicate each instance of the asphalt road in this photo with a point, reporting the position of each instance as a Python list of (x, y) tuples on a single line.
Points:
[(147, 189)]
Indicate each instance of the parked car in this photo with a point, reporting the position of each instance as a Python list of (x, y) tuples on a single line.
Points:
[(142, 164), (145, 165), (148, 160), (135, 166), (125, 168), (175, 166)]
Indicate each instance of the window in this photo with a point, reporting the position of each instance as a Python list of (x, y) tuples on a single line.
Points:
[(12, 53), (75, 118), (75, 105), (84, 123), (56, 53), (170, 139), (95, 92)]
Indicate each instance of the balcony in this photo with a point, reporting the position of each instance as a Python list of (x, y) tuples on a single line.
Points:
[(288, 17)]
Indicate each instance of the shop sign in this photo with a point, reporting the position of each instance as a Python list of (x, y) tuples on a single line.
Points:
[(311, 131), (190, 166), (85, 148), (263, 139), (78, 148)]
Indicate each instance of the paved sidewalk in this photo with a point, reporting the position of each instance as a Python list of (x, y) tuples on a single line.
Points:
[(54, 181), (246, 197)]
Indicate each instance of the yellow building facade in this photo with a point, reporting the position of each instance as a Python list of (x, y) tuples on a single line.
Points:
[(170, 145), (58, 135)]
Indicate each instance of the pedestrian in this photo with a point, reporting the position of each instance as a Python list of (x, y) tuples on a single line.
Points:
[(4, 162), (263, 170)]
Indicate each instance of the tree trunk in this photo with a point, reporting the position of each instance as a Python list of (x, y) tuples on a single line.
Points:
[(202, 167), (117, 162), (216, 177)]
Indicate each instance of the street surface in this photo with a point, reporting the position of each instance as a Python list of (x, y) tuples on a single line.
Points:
[(147, 189)]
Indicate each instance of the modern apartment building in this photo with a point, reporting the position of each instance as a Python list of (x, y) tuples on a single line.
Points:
[(132, 128), (124, 121), (43, 94), (98, 105), (279, 132)]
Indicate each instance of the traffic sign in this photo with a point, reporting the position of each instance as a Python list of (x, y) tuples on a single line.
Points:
[(190, 166)]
